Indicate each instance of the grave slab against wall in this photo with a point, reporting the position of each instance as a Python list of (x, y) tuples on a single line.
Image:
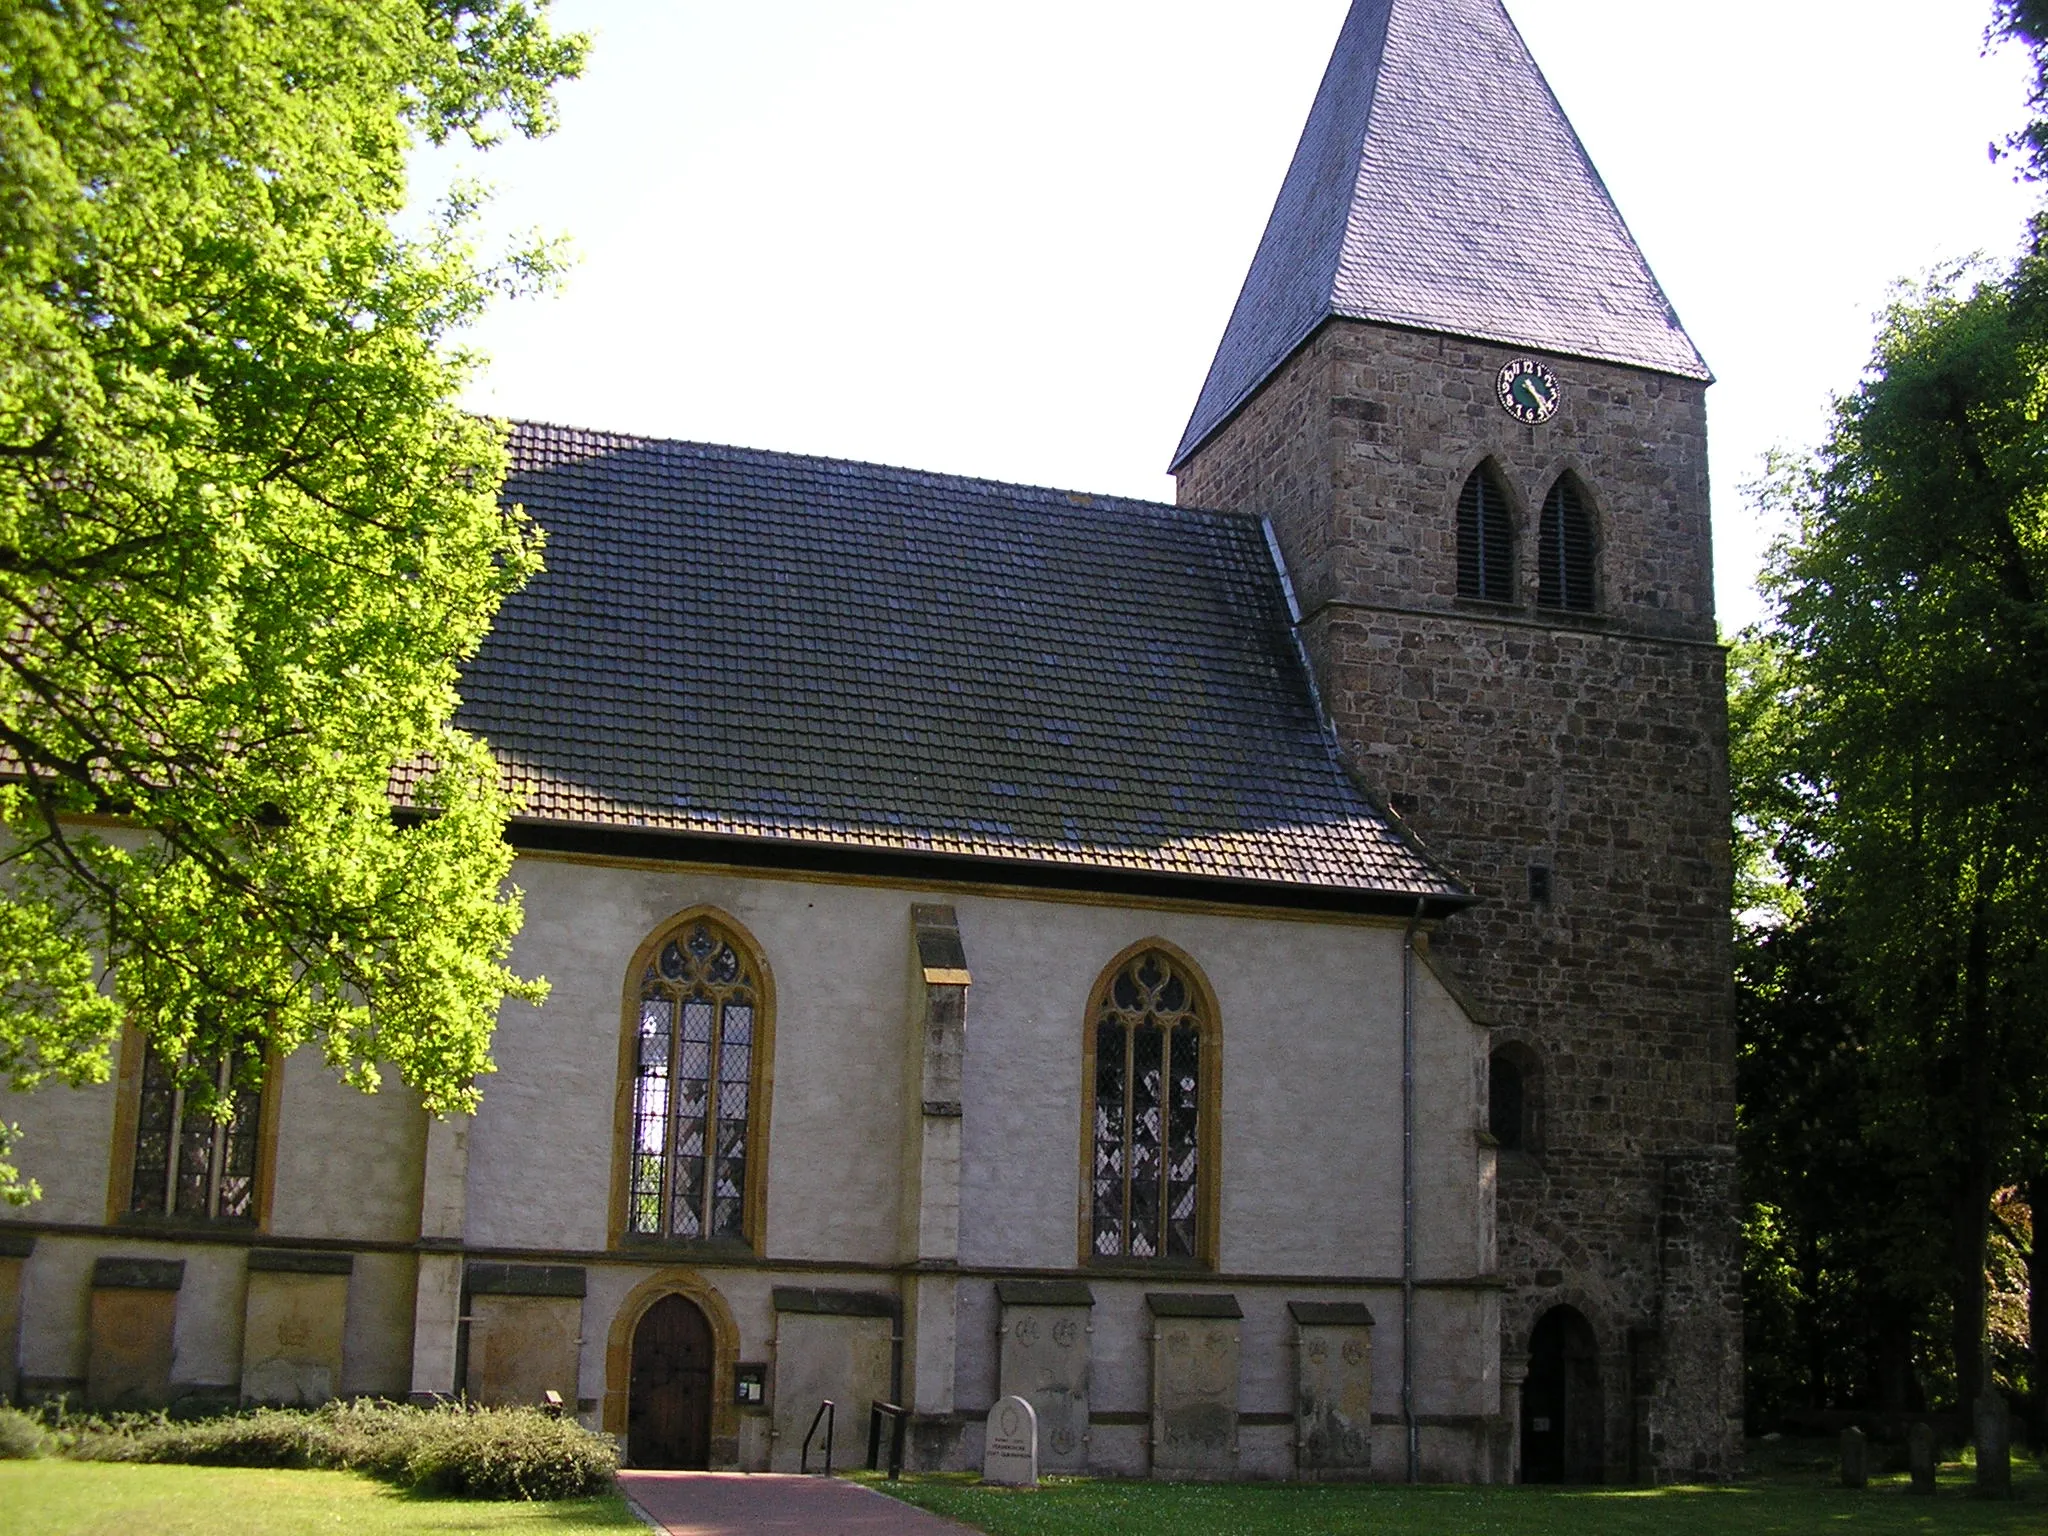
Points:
[(525, 1333), (133, 1317), (1195, 1348), (1333, 1390), (294, 1319), (15, 1248), (1046, 1335), (829, 1344)]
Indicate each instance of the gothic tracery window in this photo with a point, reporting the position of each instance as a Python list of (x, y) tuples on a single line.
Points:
[(187, 1163), (694, 1087), (1145, 1181), (1565, 550), (1486, 540)]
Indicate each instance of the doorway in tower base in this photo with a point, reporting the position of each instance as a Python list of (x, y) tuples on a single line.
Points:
[(1562, 1418), (668, 1404)]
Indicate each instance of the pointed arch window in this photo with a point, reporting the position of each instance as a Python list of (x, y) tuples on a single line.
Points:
[(1566, 550), (693, 1159), (1486, 540), (1152, 1113), (188, 1163)]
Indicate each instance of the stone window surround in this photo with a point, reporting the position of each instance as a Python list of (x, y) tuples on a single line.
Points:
[(1208, 1132), (761, 1089)]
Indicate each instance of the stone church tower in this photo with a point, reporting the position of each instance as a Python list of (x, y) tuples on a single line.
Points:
[(1457, 392)]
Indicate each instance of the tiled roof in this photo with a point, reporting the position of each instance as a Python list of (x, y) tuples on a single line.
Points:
[(1439, 185), (763, 646)]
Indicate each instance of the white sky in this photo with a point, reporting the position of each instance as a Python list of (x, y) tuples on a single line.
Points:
[(1003, 241)]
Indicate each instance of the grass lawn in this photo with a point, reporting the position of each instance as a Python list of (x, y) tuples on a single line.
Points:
[(1780, 1504), (73, 1498)]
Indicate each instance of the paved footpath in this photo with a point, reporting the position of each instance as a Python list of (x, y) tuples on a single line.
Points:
[(732, 1503)]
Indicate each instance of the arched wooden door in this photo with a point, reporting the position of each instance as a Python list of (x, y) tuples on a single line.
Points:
[(668, 1403), (1563, 1422)]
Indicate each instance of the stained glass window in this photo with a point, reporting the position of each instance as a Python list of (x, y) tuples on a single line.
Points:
[(693, 1088), (187, 1163), (1145, 1177)]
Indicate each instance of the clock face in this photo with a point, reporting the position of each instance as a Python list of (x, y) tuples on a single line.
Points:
[(1528, 391)]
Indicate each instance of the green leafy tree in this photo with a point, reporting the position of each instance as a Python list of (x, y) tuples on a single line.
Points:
[(1838, 1280), (246, 538), (1914, 641)]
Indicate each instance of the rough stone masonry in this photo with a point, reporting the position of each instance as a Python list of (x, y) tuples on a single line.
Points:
[(1513, 739)]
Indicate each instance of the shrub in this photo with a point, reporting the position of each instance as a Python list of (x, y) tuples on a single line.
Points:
[(20, 1436), (490, 1453)]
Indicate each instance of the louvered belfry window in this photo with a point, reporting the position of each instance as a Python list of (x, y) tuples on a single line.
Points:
[(693, 1087), (1145, 1182), (186, 1162), (1566, 550), (1486, 540)]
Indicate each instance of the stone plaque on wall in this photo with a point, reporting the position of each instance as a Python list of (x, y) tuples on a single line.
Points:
[(1194, 1384), (1045, 1357), (525, 1327), (15, 1248), (829, 1344), (1333, 1389), (134, 1313), (292, 1323)]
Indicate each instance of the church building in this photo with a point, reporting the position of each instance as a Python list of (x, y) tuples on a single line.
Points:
[(1250, 976)]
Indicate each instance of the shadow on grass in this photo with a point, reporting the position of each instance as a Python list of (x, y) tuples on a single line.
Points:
[(1803, 1505)]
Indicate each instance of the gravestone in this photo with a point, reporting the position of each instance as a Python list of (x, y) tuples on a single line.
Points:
[(1009, 1446), (1920, 1457), (293, 1317), (1195, 1348), (1855, 1458), (1994, 1445), (1333, 1389), (134, 1312), (525, 1325), (1046, 1338), (828, 1344)]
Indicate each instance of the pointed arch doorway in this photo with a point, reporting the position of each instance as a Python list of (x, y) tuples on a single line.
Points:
[(668, 1402), (1562, 1418)]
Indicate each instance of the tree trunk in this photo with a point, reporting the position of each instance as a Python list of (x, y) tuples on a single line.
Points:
[(2037, 1314)]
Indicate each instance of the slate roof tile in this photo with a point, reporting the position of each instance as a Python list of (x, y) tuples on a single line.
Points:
[(761, 645)]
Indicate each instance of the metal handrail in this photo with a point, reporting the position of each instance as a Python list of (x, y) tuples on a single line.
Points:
[(828, 1414), (875, 1416)]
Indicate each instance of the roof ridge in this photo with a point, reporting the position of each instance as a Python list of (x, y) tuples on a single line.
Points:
[(938, 479)]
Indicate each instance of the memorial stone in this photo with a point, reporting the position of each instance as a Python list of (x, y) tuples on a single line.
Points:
[(1855, 1458), (1009, 1447), (1920, 1457), (1046, 1337), (1994, 1445), (1333, 1389), (1195, 1347)]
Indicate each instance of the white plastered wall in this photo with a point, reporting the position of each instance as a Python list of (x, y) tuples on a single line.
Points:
[(1310, 1011)]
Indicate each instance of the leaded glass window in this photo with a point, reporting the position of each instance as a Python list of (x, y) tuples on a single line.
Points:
[(188, 1163), (693, 1087), (1145, 1180)]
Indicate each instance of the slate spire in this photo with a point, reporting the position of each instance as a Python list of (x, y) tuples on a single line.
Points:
[(1439, 185)]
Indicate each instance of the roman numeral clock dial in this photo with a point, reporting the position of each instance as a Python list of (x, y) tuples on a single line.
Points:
[(1528, 391)]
